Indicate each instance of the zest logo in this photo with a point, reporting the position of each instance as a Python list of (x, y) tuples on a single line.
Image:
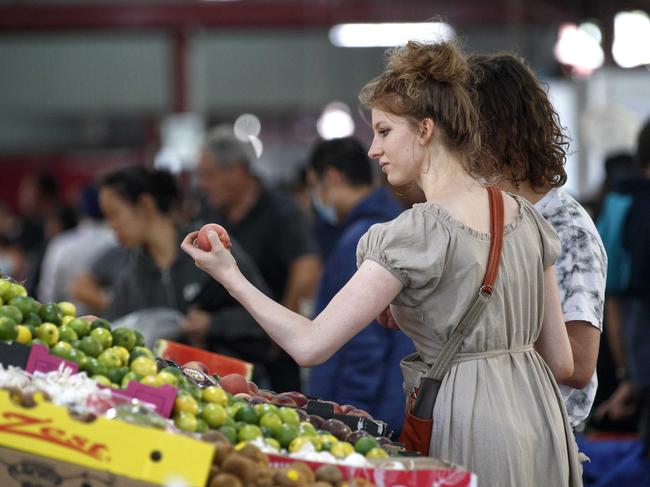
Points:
[(23, 425)]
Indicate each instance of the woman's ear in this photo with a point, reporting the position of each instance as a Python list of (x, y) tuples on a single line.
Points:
[(148, 203), (426, 129)]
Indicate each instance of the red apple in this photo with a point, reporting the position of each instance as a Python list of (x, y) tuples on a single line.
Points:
[(359, 412), (234, 384), (253, 387), (300, 399), (258, 400), (203, 242), (283, 400)]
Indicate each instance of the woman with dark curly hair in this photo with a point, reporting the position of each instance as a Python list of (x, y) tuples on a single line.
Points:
[(498, 411), (522, 137)]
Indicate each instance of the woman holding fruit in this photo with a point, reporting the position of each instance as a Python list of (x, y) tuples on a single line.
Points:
[(428, 265)]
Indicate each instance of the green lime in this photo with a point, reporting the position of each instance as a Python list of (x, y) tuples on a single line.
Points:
[(67, 308), (201, 426), (51, 313), (8, 329), (124, 337), (249, 432), (140, 352), (63, 350), (266, 407), (144, 366), (77, 356), (100, 323), (16, 290), (5, 286), (185, 421), (139, 339), (67, 334), (377, 453), (80, 326), (271, 421), (11, 312), (168, 378), (103, 336), (230, 432), (116, 375), (23, 303), (91, 346), (272, 442), (247, 414), (32, 319), (93, 367), (286, 433), (109, 359), (101, 379), (214, 414), (364, 444), (48, 332), (267, 432), (289, 415)]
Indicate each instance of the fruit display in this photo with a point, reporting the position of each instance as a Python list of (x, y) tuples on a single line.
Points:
[(242, 421)]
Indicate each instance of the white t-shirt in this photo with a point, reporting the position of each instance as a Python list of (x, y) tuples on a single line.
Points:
[(581, 272)]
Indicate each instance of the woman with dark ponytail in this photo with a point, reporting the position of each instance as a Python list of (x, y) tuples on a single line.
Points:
[(498, 411), (140, 205)]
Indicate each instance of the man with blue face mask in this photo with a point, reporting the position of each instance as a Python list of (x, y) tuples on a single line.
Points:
[(365, 371)]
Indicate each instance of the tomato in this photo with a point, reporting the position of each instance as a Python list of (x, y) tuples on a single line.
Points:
[(202, 241)]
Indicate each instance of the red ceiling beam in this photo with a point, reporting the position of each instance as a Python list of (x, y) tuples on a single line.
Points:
[(260, 14)]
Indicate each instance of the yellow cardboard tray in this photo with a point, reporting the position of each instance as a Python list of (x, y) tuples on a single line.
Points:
[(140, 453)]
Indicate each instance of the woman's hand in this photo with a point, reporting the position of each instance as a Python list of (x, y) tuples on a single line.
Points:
[(218, 262)]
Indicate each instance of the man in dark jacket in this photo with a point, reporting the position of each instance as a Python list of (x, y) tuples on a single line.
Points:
[(365, 372)]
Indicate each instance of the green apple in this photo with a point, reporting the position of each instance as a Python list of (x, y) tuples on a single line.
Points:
[(124, 337), (8, 329), (110, 359), (67, 334), (91, 346), (12, 312)]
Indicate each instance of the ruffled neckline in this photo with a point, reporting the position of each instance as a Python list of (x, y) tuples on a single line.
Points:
[(445, 216)]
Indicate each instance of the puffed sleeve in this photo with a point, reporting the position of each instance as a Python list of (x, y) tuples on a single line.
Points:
[(412, 247), (551, 246)]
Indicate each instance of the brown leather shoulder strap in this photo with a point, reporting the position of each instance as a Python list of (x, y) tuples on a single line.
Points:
[(496, 241)]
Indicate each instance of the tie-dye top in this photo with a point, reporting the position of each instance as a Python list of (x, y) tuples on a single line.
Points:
[(581, 271)]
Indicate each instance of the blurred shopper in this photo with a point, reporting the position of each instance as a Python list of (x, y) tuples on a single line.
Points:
[(270, 228), (74, 251), (94, 287), (521, 134), (138, 204), (499, 412), (626, 229), (365, 371), (39, 202)]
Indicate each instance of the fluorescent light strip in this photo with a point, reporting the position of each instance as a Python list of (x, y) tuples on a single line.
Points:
[(389, 34)]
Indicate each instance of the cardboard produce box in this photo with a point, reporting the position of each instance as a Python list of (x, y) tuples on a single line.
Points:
[(108, 446), (20, 469)]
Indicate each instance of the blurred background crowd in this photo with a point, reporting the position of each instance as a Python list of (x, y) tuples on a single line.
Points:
[(124, 125)]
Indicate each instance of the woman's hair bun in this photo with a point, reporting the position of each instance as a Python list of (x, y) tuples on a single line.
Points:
[(440, 62)]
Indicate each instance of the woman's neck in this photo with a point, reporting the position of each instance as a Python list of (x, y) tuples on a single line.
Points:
[(162, 243), (447, 178)]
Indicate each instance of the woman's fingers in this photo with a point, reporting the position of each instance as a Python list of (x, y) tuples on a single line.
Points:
[(214, 239), (188, 245)]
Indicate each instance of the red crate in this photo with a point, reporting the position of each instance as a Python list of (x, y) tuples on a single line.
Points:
[(217, 364)]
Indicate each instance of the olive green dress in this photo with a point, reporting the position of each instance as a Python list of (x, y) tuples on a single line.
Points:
[(499, 412)]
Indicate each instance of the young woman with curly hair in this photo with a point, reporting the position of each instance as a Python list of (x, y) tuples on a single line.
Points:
[(522, 137), (498, 411)]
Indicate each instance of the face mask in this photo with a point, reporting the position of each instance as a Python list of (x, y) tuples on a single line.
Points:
[(323, 210)]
